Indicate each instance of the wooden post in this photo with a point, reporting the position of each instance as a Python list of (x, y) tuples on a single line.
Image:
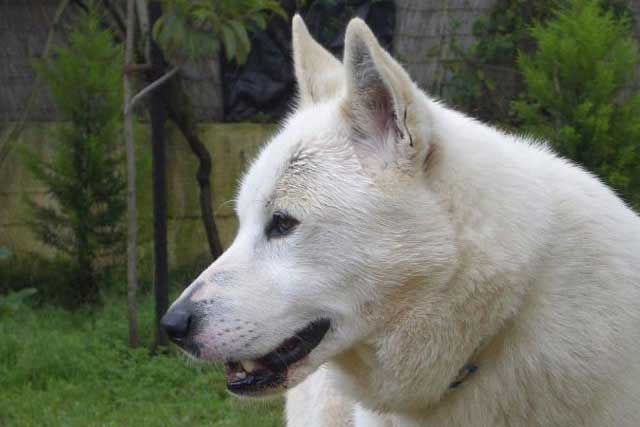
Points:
[(132, 210)]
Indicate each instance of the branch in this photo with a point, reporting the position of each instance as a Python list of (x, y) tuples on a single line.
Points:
[(117, 18), (147, 90), (116, 23), (180, 115), (81, 5)]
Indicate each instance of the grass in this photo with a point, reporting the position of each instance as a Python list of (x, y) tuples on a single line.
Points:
[(74, 369)]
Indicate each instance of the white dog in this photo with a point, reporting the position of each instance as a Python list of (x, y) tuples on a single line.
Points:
[(400, 264)]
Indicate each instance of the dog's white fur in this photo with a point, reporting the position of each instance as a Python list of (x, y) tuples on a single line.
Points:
[(429, 240)]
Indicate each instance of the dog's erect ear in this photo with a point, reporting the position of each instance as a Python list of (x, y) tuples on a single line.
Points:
[(380, 102), (319, 74)]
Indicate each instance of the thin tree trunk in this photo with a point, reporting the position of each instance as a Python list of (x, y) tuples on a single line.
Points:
[(143, 21), (203, 176), (158, 115), (183, 118), (132, 210), (180, 114)]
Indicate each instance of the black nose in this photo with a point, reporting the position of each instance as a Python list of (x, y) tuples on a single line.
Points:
[(177, 322)]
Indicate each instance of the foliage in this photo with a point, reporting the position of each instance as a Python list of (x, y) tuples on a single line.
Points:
[(584, 58), (82, 217), (191, 30), (47, 276), (10, 304), (485, 78), (74, 369)]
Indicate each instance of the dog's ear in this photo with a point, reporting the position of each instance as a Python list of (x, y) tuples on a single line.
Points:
[(380, 102), (319, 74)]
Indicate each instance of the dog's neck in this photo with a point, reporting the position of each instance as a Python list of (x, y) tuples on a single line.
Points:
[(424, 368), (432, 330)]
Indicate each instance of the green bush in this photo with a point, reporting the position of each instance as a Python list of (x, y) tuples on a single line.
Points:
[(574, 99), (485, 78), (83, 217)]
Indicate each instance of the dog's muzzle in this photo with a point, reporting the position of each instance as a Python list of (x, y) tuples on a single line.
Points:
[(264, 374)]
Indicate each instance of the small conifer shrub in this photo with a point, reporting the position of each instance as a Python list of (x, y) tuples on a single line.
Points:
[(578, 92), (82, 215)]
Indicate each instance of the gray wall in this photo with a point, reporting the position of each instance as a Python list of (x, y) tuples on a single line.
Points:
[(24, 28)]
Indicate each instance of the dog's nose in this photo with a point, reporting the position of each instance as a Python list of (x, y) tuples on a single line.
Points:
[(177, 323)]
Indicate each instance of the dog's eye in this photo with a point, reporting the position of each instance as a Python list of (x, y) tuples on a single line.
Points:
[(281, 224)]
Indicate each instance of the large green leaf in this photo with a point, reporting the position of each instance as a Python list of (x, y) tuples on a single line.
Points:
[(243, 38), (229, 41), (189, 29)]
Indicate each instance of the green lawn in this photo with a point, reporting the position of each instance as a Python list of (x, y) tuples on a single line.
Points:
[(64, 369)]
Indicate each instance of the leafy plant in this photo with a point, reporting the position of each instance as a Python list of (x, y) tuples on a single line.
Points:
[(11, 303), (191, 30), (84, 179), (485, 78), (585, 57)]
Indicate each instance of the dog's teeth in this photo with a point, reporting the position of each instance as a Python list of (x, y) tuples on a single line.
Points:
[(241, 375), (249, 365)]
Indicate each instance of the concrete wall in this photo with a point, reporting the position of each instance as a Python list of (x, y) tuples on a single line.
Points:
[(424, 31), (231, 145)]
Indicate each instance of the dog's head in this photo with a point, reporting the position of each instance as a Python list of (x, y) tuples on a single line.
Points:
[(335, 217)]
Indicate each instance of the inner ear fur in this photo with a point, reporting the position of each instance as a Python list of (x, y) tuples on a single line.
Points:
[(380, 99), (370, 100)]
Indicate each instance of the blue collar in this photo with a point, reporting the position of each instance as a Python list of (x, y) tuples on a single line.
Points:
[(467, 370)]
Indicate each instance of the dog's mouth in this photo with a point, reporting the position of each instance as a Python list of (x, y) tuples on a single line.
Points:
[(269, 372)]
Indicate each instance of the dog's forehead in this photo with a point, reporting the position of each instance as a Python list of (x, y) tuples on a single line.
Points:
[(291, 158)]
